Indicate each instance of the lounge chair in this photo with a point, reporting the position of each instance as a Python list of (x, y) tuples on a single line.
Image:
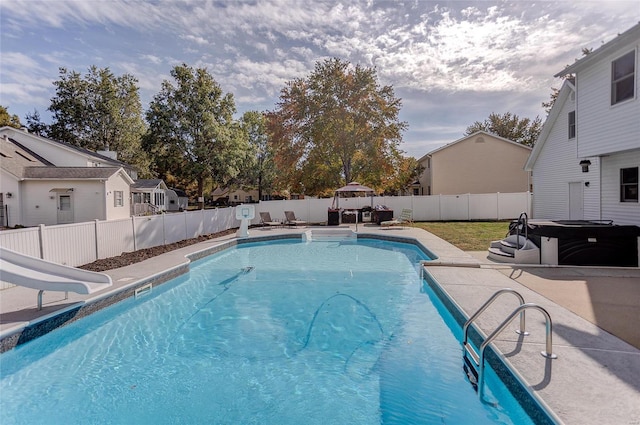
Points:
[(265, 220), (291, 220), (405, 218)]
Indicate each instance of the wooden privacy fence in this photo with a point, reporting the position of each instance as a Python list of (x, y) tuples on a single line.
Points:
[(82, 243)]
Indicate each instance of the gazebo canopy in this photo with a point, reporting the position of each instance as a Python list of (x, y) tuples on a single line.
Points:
[(354, 189)]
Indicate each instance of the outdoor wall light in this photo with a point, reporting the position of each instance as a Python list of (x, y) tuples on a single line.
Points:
[(587, 184), (9, 195), (585, 165)]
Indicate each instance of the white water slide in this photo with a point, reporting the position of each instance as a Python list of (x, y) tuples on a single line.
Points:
[(31, 272)]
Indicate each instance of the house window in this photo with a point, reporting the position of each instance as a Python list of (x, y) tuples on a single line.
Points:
[(623, 78), (158, 199), (118, 198), (416, 191), (629, 184), (572, 125)]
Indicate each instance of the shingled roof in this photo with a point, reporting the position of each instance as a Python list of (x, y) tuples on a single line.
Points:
[(67, 173)]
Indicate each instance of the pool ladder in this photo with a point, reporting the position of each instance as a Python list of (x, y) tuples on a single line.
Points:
[(477, 368)]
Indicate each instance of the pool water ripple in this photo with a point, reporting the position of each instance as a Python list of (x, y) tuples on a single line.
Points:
[(281, 333)]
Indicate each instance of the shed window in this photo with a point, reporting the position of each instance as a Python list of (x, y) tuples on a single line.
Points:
[(629, 184), (623, 78), (572, 125), (118, 198)]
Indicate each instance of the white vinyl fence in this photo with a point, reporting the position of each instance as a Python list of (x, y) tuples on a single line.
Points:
[(82, 243), (491, 206)]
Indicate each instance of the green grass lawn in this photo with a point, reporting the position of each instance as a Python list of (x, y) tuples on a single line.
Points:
[(468, 235)]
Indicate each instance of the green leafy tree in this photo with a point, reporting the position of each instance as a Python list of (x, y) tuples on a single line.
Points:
[(35, 125), (335, 126), (100, 111), (509, 126), (405, 173), (6, 119), (192, 134), (258, 171)]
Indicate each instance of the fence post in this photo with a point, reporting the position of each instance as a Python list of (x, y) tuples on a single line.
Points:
[(186, 229), (164, 233), (95, 221), (133, 228), (498, 205), (440, 207), (41, 238)]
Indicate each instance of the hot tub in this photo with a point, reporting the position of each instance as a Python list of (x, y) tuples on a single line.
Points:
[(585, 243)]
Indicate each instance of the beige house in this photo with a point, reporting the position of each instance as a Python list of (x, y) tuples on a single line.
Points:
[(478, 163)]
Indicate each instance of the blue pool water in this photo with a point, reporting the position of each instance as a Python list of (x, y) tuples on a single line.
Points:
[(264, 333)]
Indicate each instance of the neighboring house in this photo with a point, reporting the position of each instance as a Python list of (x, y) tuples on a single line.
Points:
[(150, 196), (34, 192), (178, 199), (585, 163), (228, 196), (63, 154), (478, 163), (240, 196)]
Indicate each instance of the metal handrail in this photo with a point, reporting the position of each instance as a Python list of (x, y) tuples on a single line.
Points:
[(526, 229), (548, 348), (522, 331)]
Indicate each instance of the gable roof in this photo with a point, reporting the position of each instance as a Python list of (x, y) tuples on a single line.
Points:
[(631, 35), (477, 133), (148, 184), (564, 93), (73, 173), (15, 157), (69, 146)]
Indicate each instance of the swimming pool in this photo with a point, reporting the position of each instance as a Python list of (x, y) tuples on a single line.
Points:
[(284, 332)]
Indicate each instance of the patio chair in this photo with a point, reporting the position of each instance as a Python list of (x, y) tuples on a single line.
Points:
[(265, 220), (405, 218), (291, 220)]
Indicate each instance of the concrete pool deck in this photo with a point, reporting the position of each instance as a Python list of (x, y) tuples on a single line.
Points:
[(594, 380)]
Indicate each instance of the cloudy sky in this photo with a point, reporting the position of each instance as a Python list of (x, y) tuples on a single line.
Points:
[(452, 62)]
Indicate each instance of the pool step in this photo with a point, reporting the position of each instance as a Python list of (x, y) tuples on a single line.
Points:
[(470, 367), (334, 234), (515, 249)]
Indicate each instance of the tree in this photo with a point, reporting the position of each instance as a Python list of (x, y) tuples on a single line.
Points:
[(192, 135), (555, 91), (335, 126), (7, 119), (406, 172), (259, 169), (35, 125), (100, 111), (509, 126)]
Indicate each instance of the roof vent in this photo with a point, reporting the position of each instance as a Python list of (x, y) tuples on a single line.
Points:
[(479, 139)]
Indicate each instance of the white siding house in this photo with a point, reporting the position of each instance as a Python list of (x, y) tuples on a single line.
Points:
[(63, 154), (34, 190), (585, 163)]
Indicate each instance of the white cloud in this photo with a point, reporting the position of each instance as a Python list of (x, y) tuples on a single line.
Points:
[(196, 39), (151, 58), (489, 53)]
